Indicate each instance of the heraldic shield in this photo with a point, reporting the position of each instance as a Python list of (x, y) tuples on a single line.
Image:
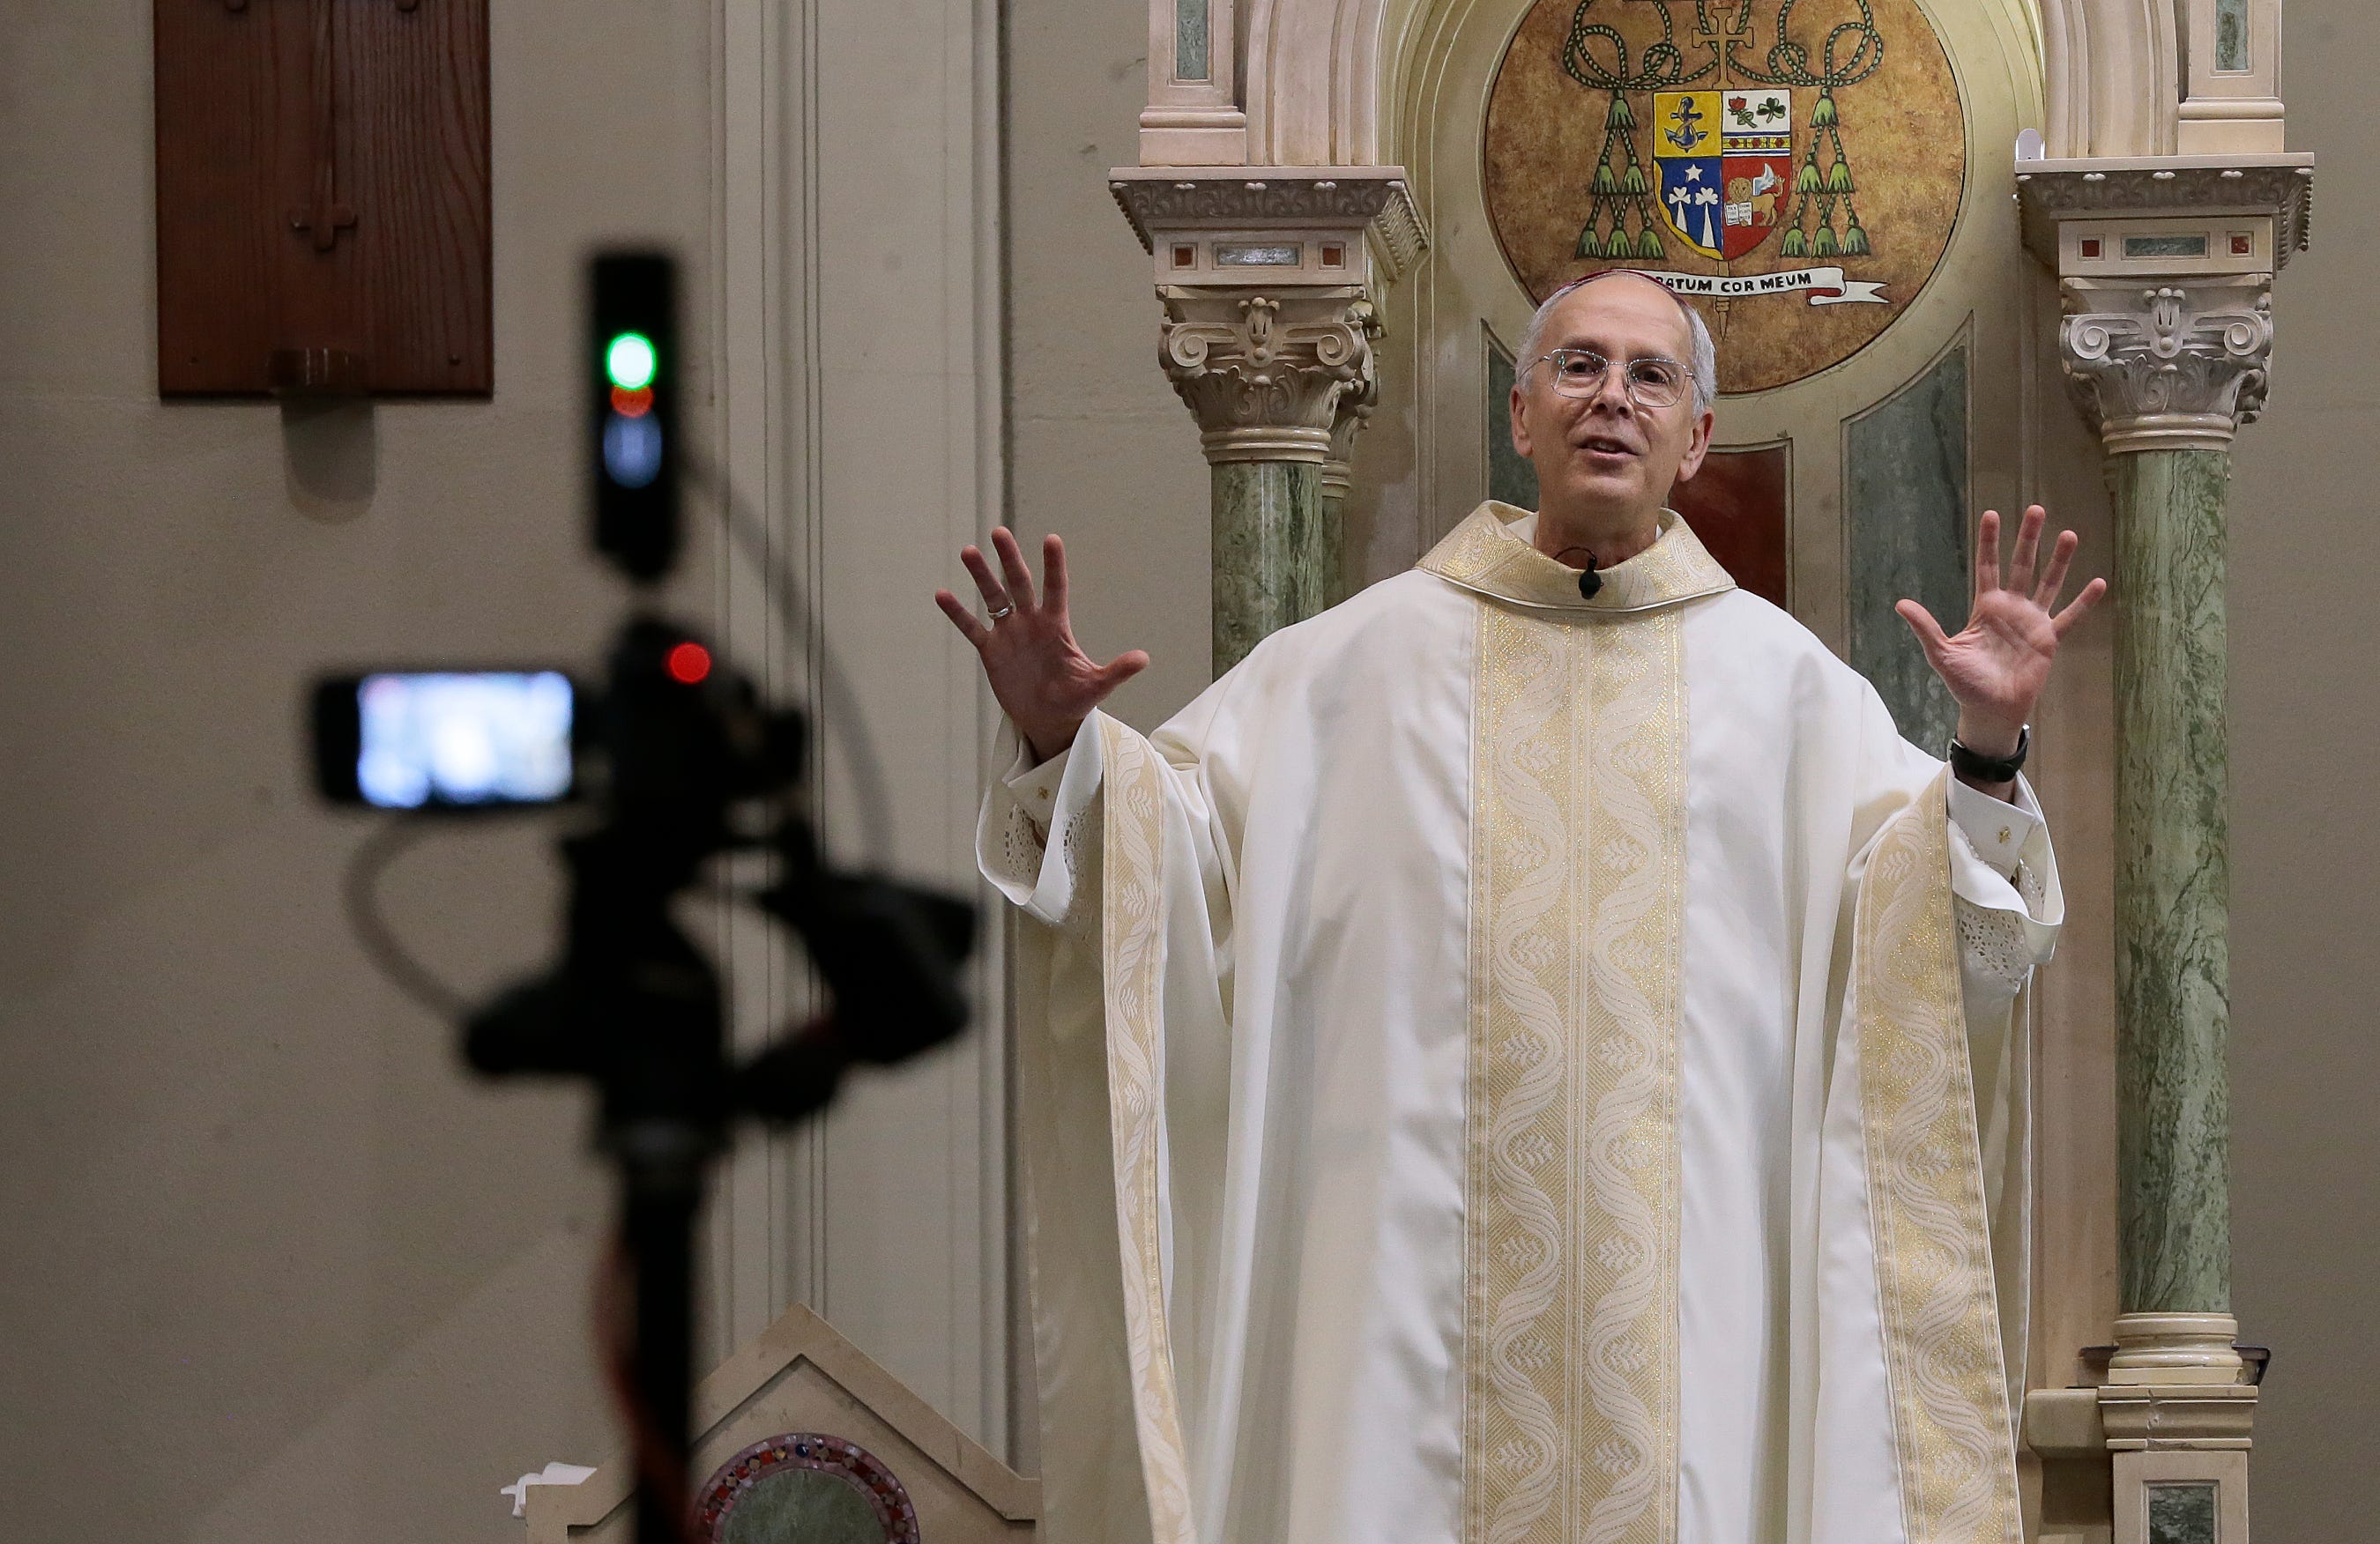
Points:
[(1724, 160)]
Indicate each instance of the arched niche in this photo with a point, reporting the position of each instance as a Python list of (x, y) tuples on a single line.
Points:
[(1961, 380), (1316, 71)]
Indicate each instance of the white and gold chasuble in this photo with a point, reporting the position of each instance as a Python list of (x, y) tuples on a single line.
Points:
[(1511, 1068)]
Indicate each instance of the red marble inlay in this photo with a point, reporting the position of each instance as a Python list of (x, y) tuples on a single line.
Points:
[(1737, 504)]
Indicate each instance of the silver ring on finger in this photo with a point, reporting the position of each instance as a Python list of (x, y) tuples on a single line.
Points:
[(1001, 611)]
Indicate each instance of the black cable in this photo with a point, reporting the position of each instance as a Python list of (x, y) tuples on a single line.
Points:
[(783, 582), (839, 701), (360, 893)]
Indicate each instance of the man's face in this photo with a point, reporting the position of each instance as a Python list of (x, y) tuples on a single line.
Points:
[(1608, 451)]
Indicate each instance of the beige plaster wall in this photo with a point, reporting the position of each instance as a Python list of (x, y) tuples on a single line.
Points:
[(2305, 832), (270, 1268), (1100, 448)]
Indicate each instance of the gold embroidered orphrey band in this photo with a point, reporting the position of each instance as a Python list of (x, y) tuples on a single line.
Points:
[(1570, 1270), (1952, 1434), (1133, 942), (1483, 555)]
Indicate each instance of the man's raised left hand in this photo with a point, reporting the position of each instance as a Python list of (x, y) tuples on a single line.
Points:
[(1998, 664)]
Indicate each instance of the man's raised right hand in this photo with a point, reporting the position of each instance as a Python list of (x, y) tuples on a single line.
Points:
[(1044, 681)]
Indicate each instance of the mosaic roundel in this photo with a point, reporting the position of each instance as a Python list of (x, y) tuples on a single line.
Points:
[(803, 1488), (1794, 166)]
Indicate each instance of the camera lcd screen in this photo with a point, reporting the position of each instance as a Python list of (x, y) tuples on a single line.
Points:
[(450, 738)]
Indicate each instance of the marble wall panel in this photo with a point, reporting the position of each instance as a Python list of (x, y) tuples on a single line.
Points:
[(1905, 512), (1738, 505), (1510, 478)]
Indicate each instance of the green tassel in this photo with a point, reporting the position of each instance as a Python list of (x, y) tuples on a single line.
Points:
[(1806, 179), (1604, 183), (1619, 116), (1589, 244), (1634, 179), (1839, 178), (1855, 243), (1826, 244), (1823, 114), (1796, 245), (1648, 244)]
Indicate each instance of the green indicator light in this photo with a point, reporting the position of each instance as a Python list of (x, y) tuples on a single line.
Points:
[(629, 361)]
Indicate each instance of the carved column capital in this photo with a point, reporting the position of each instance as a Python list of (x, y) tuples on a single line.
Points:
[(1355, 409), (1265, 375), (2177, 365)]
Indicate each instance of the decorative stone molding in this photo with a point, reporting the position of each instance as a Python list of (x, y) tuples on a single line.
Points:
[(2154, 1418), (801, 1378), (2112, 77), (1265, 376), (2173, 1348), (2167, 367), (1194, 116), (1318, 71), (2277, 191), (1206, 228), (2231, 75), (2143, 1463)]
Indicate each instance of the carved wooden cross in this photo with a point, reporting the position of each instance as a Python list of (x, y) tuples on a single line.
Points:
[(325, 217)]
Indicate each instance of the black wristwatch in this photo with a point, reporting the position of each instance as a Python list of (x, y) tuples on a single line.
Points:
[(1991, 769)]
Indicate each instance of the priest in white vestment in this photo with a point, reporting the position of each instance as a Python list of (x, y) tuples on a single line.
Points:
[(1511, 1064)]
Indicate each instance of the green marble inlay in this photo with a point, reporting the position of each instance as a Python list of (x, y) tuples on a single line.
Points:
[(1510, 478), (2231, 36), (2166, 245), (803, 1506), (2182, 1513), (1190, 40), (1906, 506), (1276, 554), (2172, 883)]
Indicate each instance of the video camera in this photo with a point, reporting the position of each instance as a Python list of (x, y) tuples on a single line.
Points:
[(676, 760)]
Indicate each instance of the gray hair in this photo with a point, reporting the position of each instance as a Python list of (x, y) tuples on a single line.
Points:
[(1702, 365)]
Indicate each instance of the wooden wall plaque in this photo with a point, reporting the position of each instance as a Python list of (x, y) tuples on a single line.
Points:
[(323, 198)]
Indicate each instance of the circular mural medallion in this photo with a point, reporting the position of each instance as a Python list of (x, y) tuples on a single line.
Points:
[(803, 1488), (1794, 166)]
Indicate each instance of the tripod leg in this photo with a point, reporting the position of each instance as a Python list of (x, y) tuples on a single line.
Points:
[(661, 1194)]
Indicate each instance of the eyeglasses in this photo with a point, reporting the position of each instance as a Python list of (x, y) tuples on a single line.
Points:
[(1651, 382)]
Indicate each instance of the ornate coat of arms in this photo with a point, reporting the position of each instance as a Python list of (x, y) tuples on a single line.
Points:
[(1720, 162), (1712, 142)]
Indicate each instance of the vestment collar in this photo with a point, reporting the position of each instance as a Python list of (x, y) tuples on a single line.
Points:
[(1483, 554)]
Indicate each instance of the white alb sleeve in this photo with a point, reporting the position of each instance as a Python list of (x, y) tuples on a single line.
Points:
[(1030, 834), (2005, 894)]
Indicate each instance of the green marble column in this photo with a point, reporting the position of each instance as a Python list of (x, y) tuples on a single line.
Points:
[(1276, 551), (1280, 384), (2173, 881), (1331, 549)]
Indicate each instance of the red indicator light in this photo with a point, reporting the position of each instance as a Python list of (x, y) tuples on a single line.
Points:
[(632, 405), (688, 663)]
